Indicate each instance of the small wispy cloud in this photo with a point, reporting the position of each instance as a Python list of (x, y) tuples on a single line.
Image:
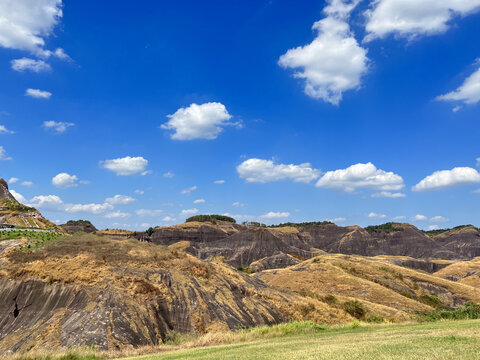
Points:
[(58, 126), (38, 94)]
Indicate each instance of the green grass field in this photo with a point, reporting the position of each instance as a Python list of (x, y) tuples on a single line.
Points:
[(435, 341)]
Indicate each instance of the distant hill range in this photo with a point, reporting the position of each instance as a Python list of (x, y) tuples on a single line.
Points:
[(273, 247), (15, 214)]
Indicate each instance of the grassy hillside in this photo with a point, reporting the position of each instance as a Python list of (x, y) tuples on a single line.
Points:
[(432, 341)]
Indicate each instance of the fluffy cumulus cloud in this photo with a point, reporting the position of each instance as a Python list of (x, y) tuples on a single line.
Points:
[(361, 176), (411, 18), (388, 194), (117, 215), (419, 217), (47, 202), (373, 215), (64, 181), (334, 62), (263, 171), (275, 215), (4, 130), (126, 166), (25, 64), (19, 197), (188, 190), (88, 208), (148, 212), (205, 121), (13, 180), (468, 92), (120, 200), (3, 154), (38, 94), (24, 24), (188, 212), (57, 126), (459, 176)]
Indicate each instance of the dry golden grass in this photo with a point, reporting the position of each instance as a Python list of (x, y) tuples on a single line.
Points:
[(465, 272)]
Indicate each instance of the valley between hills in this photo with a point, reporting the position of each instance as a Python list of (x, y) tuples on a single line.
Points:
[(116, 292)]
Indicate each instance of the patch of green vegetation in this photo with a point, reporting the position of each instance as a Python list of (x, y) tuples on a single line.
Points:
[(375, 319), (444, 340), (432, 300), (212, 218), (441, 231), (407, 294), (246, 270), (253, 223), (36, 239), (78, 223), (150, 231), (303, 224), (69, 356), (16, 206), (469, 311), (355, 308), (387, 228)]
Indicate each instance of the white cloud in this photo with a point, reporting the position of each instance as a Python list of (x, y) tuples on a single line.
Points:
[(459, 176), (169, 175), (148, 212), (188, 212), (478, 161), (238, 204), (4, 130), (24, 24), (38, 94), (13, 180), (361, 176), (412, 18), (263, 171), (419, 217), (48, 202), (88, 208), (19, 197), (476, 191), (396, 218), (388, 194), (468, 92), (433, 227), (332, 63), (168, 219), (275, 215), (117, 215), (199, 201), (219, 182), (339, 219), (439, 219), (139, 192), (24, 64), (373, 215), (125, 166), (205, 121), (58, 126), (120, 200), (3, 154), (27, 183), (189, 190), (64, 180)]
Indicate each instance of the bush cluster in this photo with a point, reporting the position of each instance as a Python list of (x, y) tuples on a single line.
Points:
[(213, 217)]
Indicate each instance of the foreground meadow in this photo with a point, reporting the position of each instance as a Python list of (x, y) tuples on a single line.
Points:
[(439, 340)]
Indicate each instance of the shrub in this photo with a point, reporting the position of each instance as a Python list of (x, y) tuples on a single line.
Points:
[(212, 218), (469, 311), (388, 228), (150, 231), (407, 294), (246, 270), (376, 319), (355, 308), (431, 300), (330, 299)]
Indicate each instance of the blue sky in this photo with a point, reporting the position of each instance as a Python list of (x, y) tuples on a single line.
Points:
[(359, 112)]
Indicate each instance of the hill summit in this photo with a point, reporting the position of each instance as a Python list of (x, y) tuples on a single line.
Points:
[(4, 193)]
